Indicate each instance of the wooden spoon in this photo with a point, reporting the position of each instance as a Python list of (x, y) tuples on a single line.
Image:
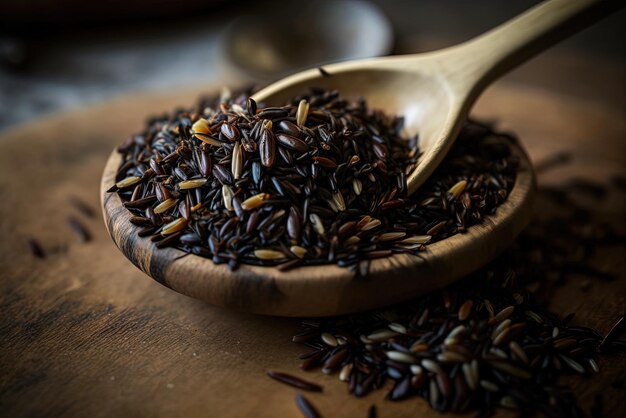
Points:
[(434, 92)]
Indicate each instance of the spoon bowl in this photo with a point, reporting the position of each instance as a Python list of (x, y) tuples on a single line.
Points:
[(407, 86), (434, 91)]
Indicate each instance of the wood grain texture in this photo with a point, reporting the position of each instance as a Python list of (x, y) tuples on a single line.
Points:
[(321, 290), (85, 333)]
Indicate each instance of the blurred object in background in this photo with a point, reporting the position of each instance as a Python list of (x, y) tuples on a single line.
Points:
[(291, 36), (72, 68), (58, 54)]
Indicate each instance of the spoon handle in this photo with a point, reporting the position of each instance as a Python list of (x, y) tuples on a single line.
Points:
[(489, 56)]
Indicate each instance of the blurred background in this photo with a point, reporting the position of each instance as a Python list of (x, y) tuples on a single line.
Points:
[(59, 54)]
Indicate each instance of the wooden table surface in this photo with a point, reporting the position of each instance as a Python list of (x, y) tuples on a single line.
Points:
[(84, 333)]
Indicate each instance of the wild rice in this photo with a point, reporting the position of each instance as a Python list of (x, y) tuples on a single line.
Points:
[(482, 343), (36, 249), (294, 381), (228, 166), (79, 229), (306, 407)]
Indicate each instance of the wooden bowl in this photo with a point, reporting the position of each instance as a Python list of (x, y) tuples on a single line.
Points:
[(322, 290)]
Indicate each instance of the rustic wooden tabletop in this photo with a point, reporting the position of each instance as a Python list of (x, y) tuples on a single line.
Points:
[(85, 333)]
